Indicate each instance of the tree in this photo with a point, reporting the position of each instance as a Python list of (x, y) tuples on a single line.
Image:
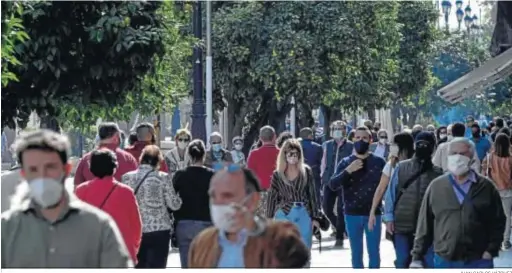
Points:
[(418, 37), (92, 56), (160, 89), (12, 33), (267, 52)]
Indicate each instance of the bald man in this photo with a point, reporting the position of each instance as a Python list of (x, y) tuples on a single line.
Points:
[(240, 238)]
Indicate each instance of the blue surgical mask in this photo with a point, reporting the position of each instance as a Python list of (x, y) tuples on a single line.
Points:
[(216, 147), (337, 134)]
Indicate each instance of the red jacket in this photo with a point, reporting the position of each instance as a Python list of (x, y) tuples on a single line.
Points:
[(136, 151), (262, 162), (121, 205), (126, 163)]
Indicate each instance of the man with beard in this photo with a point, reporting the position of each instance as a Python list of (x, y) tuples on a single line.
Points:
[(403, 198), (47, 225), (359, 175)]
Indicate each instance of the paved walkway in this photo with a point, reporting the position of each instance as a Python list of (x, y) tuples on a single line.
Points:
[(340, 258)]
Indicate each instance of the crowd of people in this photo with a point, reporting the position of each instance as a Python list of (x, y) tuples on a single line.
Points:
[(444, 195)]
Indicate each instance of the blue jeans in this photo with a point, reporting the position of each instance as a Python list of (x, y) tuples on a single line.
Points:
[(440, 262), (403, 246), (356, 227), (300, 217), (186, 231)]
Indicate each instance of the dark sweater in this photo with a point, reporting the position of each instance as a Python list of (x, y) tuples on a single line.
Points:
[(460, 232), (358, 187), (192, 184)]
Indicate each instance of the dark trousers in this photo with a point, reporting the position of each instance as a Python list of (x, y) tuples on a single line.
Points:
[(154, 249), (186, 231), (328, 201)]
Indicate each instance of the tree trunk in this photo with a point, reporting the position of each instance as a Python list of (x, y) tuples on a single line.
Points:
[(395, 114), (371, 115), (50, 123)]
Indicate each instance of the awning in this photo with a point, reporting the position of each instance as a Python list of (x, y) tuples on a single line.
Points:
[(481, 78)]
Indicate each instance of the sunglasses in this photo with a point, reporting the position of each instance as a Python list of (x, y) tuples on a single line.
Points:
[(216, 142), (230, 168), (383, 137), (291, 154), (183, 140)]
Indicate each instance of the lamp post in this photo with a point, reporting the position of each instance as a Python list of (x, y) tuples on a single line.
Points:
[(209, 70), (447, 7), (198, 106), (460, 16)]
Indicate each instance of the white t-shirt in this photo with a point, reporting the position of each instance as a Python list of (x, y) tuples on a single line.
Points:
[(388, 170)]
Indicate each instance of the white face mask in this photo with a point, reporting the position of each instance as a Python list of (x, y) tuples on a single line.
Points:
[(292, 160), (393, 150), (383, 141), (223, 217), (238, 147), (442, 136), (458, 164), (337, 134), (46, 192), (182, 145)]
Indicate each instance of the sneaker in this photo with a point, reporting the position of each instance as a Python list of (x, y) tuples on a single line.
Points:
[(339, 243), (507, 245)]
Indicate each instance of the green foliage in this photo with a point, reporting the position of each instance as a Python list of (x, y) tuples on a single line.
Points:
[(12, 33), (92, 55), (338, 53), (160, 89)]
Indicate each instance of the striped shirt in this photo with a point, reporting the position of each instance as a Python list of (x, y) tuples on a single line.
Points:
[(283, 193)]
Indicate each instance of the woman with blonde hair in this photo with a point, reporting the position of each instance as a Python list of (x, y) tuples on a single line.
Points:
[(292, 194), (402, 148), (177, 158)]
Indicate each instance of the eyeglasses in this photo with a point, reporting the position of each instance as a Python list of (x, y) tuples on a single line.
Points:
[(292, 154), (230, 168)]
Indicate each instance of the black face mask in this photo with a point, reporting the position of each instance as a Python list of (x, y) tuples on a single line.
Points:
[(424, 150), (476, 134)]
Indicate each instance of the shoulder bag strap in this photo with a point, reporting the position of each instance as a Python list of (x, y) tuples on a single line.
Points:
[(140, 183), (108, 195), (407, 184)]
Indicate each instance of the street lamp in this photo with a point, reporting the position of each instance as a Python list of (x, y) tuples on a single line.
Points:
[(446, 6), (468, 20), (458, 4), (198, 106), (460, 16)]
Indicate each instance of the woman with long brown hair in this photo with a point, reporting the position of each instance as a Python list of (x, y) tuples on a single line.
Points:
[(292, 194), (402, 148), (497, 165)]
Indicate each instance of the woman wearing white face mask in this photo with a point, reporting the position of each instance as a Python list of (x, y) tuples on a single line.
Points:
[(292, 195), (401, 149), (177, 158), (236, 153)]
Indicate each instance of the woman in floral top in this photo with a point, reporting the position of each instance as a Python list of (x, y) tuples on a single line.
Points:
[(155, 195)]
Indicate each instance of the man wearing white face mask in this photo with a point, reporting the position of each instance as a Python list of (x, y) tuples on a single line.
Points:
[(440, 158), (461, 215), (49, 227), (240, 238), (334, 151), (217, 154), (237, 154), (381, 148)]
